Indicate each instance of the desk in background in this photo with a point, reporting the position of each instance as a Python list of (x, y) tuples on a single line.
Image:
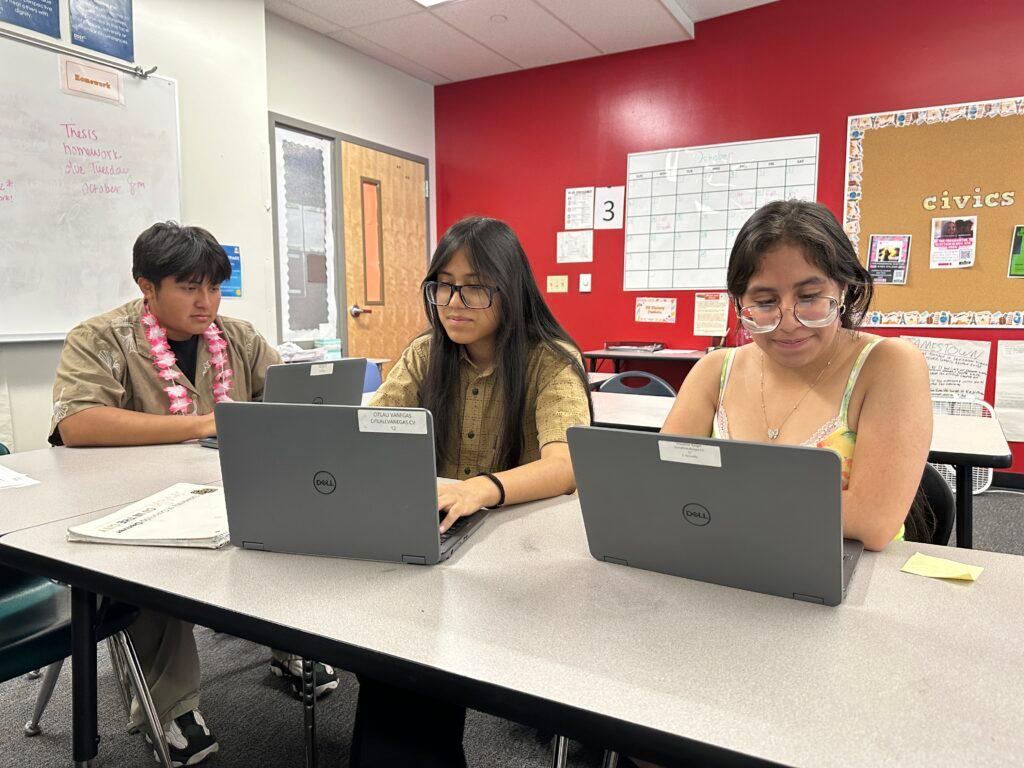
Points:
[(522, 622), (617, 356)]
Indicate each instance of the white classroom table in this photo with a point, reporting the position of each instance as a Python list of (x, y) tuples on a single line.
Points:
[(524, 623)]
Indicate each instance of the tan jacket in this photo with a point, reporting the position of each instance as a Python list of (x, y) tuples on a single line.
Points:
[(555, 400), (105, 361)]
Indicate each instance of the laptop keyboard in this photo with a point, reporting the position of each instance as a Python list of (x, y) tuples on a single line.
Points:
[(457, 526)]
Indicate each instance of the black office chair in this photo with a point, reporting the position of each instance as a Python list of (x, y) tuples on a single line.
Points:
[(934, 511), (654, 385)]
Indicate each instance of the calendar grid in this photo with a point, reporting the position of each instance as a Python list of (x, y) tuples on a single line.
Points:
[(684, 207)]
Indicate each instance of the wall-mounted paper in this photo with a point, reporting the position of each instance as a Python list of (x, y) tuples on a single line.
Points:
[(608, 213), (957, 368), (651, 309), (711, 314), (954, 241), (1016, 268), (889, 259), (575, 247), (1010, 388), (579, 208)]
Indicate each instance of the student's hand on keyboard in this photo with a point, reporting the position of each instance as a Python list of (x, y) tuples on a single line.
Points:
[(206, 425), (465, 498)]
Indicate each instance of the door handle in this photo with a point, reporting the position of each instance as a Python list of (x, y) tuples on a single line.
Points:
[(355, 310)]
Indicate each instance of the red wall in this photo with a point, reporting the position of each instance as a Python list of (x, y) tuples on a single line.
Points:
[(508, 146)]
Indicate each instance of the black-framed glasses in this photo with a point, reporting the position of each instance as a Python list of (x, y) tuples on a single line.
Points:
[(472, 296), (765, 316)]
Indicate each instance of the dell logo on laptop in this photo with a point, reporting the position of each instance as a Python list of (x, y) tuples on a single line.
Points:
[(324, 482), (318, 401), (695, 514)]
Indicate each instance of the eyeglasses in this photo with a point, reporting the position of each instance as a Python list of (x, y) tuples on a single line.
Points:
[(471, 296), (765, 317)]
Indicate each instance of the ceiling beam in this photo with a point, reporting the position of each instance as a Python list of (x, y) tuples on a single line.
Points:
[(680, 15)]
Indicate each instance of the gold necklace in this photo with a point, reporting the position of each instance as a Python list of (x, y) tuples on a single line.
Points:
[(773, 433)]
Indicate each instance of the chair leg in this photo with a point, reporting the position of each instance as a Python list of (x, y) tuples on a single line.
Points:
[(560, 753), (134, 669), (611, 759), (43, 697), (120, 664)]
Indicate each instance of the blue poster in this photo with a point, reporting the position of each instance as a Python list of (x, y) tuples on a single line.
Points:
[(232, 287), (38, 15), (104, 26)]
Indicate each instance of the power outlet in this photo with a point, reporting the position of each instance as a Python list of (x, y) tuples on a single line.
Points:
[(558, 283)]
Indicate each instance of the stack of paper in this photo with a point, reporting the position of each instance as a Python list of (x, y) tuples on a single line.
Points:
[(184, 515), (11, 479)]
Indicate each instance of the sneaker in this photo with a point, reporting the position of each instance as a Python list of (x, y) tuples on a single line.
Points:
[(324, 676), (189, 741)]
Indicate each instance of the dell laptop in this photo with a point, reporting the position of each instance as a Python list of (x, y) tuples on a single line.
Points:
[(336, 382), (340, 481), (766, 518)]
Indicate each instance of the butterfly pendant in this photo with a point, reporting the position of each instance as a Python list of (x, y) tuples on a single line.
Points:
[(773, 434)]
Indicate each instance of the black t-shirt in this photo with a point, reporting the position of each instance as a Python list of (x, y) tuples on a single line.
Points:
[(186, 352)]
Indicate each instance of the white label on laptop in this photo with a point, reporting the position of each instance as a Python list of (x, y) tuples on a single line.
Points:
[(321, 369), (690, 453), (394, 420)]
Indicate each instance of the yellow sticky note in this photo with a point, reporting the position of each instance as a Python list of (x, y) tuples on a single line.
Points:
[(940, 568)]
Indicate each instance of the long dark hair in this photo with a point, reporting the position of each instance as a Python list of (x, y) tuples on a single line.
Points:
[(494, 252), (812, 227)]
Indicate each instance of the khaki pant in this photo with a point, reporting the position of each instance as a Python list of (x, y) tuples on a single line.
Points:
[(170, 663)]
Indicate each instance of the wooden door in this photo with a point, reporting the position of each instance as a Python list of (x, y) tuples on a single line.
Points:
[(384, 208)]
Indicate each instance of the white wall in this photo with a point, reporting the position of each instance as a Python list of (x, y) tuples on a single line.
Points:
[(216, 51), (312, 78), (233, 63)]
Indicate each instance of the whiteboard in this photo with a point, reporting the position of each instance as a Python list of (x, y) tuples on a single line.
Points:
[(684, 207), (71, 205)]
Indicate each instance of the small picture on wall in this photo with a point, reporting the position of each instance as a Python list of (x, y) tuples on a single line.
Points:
[(954, 241), (1016, 268), (889, 259)]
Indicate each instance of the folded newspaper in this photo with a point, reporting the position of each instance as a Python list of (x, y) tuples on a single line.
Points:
[(184, 515)]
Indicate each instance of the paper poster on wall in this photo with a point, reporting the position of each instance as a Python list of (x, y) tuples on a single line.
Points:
[(711, 314), (957, 368), (579, 208), (889, 259), (574, 247), (38, 15), (232, 287), (1010, 388), (608, 213), (651, 309), (954, 241), (1016, 268), (104, 26)]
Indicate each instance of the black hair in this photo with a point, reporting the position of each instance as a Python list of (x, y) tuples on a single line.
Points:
[(813, 228), (188, 254), (495, 254)]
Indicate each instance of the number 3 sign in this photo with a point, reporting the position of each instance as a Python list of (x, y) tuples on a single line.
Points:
[(608, 207)]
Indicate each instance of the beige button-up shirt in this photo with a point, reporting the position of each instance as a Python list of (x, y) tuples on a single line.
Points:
[(556, 399), (105, 361)]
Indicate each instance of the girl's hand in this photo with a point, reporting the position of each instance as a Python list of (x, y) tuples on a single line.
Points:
[(465, 498)]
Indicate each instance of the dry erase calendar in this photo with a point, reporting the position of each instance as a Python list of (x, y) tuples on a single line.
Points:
[(684, 207)]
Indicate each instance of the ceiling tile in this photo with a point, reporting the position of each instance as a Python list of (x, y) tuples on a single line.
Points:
[(700, 10), (355, 13), (613, 26), (395, 60), (286, 10), (524, 32), (433, 44)]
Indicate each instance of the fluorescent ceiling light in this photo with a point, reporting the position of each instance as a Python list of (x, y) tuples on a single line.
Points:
[(430, 3)]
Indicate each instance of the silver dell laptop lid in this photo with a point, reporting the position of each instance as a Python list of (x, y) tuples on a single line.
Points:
[(333, 480), (334, 382), (766, 518)]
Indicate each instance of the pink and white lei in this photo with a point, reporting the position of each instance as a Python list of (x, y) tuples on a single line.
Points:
[(165, 361)]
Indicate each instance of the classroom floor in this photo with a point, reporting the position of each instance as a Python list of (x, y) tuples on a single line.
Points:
[(257, 723)]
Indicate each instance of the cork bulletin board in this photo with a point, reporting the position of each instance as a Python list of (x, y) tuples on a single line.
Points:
[(963, 162)]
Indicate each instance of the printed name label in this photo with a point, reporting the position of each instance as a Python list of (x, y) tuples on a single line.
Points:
[(321, 369), (397, 421), (690, 453)]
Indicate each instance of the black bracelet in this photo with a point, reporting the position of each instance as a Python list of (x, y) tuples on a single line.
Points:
[(501, 489)]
